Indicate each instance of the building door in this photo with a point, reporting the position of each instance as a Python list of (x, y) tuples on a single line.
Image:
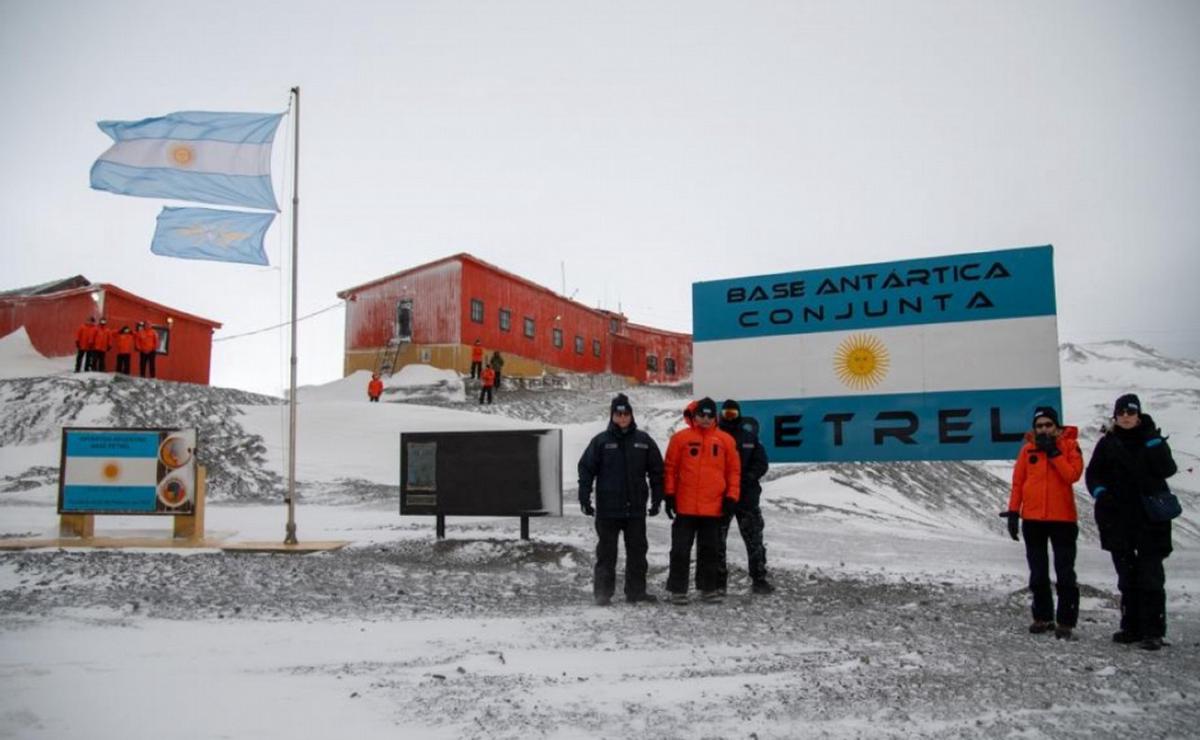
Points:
[(404, 319)]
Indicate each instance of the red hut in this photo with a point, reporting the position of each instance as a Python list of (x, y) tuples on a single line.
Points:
[(51, 313), (432, 314)]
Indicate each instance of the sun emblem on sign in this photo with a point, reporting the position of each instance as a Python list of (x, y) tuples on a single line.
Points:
[(111, 470), (182, 154), (861, 361)]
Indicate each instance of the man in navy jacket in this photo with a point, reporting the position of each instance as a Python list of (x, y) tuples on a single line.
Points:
[(625, 467)]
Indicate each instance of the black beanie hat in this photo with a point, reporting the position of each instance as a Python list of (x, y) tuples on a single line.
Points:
[(621, 403), (706, 405), (1128, 401), (731, 404), (1047, 412)]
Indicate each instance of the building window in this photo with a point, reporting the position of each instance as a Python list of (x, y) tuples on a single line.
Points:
[(596, 347), (578, 345), (164, 339), (652, 363), (669, 366), (613, 325), (529, 327), (557, 336), (477, 310), (505, 320)]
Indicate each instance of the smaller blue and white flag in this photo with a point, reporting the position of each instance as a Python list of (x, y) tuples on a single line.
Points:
[(222, 158), (212, 234)]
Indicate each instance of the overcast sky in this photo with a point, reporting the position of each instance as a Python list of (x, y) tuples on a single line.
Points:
[(642, 146)]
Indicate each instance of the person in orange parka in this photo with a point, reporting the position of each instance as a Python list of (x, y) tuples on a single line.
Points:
[(123, 343), (146, 340), (374, 388), (476, 360), (84, 336), (101, 341), (489, 380), (702, 481), (1049, 462)]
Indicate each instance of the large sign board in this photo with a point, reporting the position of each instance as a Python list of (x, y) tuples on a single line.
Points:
[(942, 358), (484, 473), (127, 471)]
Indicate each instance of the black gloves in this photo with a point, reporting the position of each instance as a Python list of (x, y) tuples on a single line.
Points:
[(1014, 523), (669, 505), (1047, 444), (728, 506), (586, 508), (654, 508)]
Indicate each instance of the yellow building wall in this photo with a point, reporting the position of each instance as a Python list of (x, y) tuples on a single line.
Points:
[(455, 357)]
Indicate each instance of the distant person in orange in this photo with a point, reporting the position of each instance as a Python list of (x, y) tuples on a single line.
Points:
[(101, 342), (489, 380), (123, 343), (374, 388), (702, 483), (476, 360), (146, 341), (83, 343)]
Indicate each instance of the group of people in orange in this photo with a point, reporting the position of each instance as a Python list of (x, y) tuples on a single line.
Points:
[(489, 375), (94, 340)]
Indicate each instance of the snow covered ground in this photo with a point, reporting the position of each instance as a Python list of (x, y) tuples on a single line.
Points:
[(901, 608)]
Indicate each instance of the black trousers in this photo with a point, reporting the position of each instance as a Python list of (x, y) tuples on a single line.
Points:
[(1142, 583), (1061, 537), (96, 360), (373, 399), (485, 392), (750, 524), (123, 363), (604, 577), (705, 531), (146, 361), (476, 369)]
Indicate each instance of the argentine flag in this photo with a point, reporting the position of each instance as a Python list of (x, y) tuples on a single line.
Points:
[(212, 234), (222, 158)]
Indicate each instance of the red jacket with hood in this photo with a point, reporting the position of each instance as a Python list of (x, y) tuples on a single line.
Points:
[(1041, 485), (702, 468)]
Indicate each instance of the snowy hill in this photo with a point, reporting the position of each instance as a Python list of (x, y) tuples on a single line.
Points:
[(347, 449)]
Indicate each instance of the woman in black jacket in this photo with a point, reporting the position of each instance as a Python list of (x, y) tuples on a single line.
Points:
[(1130, 461)]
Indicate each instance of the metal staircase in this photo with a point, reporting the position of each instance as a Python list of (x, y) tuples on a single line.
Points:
[(386, 357)]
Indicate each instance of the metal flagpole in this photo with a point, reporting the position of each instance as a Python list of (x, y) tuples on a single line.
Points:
[(290, 539)]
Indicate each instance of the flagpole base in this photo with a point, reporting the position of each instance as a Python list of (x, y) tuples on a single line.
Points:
[(290, 539)]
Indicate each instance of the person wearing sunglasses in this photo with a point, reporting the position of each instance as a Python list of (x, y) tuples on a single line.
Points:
[(1049, 463), (626, 468), (702, 483), (1130, 461), (753, 458)]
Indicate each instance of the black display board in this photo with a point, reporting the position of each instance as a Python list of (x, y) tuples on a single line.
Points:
[(484, 473)]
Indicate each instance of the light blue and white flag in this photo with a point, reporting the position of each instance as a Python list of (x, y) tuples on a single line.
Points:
[(207, 157), (211, 234)]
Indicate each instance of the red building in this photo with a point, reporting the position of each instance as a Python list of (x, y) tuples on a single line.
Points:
[(52, 312), (432, 314)]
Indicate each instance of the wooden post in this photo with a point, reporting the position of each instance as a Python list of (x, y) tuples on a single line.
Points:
[(192, 527), (441, 527), (524, 527), (77, 525)]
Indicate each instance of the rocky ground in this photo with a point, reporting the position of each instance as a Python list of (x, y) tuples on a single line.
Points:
[(834, 653)]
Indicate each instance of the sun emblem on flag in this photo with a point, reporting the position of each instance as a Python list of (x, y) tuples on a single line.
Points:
[(182, 154), (861, 361)]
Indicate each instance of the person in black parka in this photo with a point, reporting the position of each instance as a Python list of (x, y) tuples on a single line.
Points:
[(749, 515), (1132, 460), (626, 469)]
